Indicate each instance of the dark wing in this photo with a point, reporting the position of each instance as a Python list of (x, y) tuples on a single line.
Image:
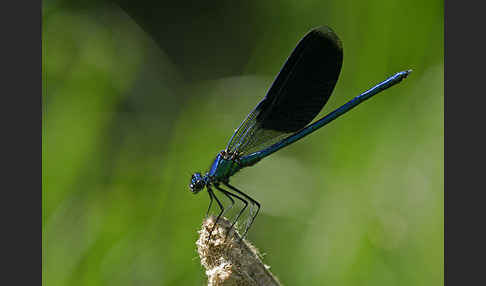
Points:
[(301, 89)]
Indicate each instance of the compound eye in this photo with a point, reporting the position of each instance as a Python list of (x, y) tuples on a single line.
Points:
[(197, 183)]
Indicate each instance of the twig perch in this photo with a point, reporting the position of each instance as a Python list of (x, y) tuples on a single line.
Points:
[(230, 262)]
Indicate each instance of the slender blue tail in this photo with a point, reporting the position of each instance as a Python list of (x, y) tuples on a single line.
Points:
[(391, 81)]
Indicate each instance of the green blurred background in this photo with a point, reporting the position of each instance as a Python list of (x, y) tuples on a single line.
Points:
[(139, 95)]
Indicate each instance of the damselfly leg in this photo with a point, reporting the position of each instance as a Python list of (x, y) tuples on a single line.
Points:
[(251, 200), (210, 203), (228, 195), (220, 213), (241, 211)]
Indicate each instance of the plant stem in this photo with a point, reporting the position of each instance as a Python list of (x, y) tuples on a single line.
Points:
[(229, 261)]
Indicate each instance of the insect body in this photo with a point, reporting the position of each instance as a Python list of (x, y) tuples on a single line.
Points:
[(297, 95)]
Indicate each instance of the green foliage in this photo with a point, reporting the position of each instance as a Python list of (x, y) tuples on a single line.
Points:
[(359, 202)]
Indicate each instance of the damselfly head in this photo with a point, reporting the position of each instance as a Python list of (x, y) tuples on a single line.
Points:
[(197, 183)]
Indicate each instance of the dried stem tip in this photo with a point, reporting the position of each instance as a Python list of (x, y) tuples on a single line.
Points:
[(229, 261)]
